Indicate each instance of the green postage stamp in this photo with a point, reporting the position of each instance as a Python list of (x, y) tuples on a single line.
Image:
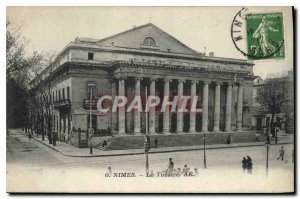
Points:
[(265, 38)]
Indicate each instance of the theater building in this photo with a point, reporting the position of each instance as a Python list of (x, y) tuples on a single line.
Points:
[(147, 57)]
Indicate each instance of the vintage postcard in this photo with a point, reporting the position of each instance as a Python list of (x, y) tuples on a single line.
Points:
[(150, 100)]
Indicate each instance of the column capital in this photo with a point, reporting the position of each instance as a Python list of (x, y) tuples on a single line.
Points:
[(153, 79), (241, 83), (121, 78), (167, 80), (207, 81), (138, 78), (230, 83), (194, 81), (181, 80), (219, 83), (112, 80)]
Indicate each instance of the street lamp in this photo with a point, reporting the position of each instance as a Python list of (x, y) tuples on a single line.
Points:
[(267, 159), (91, 130), (204, 140), (147, 138)]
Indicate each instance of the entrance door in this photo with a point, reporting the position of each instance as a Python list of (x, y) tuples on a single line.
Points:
[(258, 123)]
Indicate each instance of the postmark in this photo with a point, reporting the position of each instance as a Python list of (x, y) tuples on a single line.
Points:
[(258, 35)]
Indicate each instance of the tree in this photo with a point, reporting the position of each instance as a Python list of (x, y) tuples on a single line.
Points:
[(40, 98), (271, 98), (19, 67)]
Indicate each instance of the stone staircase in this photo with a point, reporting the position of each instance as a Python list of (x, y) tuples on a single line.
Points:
[(171, 140)]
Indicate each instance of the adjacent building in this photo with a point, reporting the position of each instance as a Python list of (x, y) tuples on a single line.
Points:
[(284, 119)]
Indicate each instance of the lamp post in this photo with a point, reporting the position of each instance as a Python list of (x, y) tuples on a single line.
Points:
[(267, 159), (91, 131), (204, 140), (147, 138)]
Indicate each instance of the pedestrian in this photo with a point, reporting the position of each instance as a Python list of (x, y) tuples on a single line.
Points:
[(185, 170), (179, 171), (109, 171), (268, 138), (229, 139), (156, 142), (104, 143), (249, 164), (244, 164), (196, 172), (281, 154), (151, 174), (171, 166), (29, 136)]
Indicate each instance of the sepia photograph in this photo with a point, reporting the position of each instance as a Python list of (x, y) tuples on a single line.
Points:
[(150, 99)]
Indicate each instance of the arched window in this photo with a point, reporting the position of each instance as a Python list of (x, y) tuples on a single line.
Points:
[(149, 41)]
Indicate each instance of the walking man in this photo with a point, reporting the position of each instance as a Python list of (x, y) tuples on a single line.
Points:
[(244, 164), (249, 164), (281, 153), (156, 142), (29, 136), (171, 166)]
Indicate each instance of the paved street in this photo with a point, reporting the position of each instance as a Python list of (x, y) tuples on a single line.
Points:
[(33, 154), (35, 157)]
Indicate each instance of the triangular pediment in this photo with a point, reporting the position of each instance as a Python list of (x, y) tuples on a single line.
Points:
[(157, 40)]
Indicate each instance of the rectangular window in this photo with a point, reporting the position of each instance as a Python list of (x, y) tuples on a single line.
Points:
[(53, 96), (91, 56), (59, 95), (63, 93), (68, 92), (56, 95), (91, 90)]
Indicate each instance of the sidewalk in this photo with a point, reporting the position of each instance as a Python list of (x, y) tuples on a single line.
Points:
[(71, 151)]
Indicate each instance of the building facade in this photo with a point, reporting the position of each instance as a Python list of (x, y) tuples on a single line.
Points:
[(141, 58), (284, 119)]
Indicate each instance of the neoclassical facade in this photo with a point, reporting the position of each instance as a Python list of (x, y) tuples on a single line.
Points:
[(145, 57)]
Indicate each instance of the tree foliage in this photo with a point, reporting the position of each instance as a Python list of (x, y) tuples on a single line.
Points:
[(19, 65), (19, 72), (270, 96)]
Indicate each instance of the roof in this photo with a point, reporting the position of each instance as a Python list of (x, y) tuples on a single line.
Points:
[(133, 39)]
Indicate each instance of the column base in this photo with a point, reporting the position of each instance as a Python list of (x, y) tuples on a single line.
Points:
[(204, 131), (216, 130), (192, 131), (137, 133), (166, 132), (179, 132)]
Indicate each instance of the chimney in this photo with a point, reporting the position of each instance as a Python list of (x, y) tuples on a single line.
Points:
[(211, 54)]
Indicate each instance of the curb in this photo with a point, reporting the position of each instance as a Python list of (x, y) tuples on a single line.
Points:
[(51, 147), (153, 152)]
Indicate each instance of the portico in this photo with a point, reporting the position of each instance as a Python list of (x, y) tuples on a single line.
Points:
[(207, 90)]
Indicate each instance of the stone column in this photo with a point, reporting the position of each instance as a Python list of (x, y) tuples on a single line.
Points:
[(166, 114), (205, 106), (152, 109), (217, 107), (137, 116), (180, 114), (228, 108), (121, 110), (113, 113), (239, 112), (193, 114)]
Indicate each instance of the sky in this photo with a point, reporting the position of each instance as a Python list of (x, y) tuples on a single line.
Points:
[(50, 29)]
